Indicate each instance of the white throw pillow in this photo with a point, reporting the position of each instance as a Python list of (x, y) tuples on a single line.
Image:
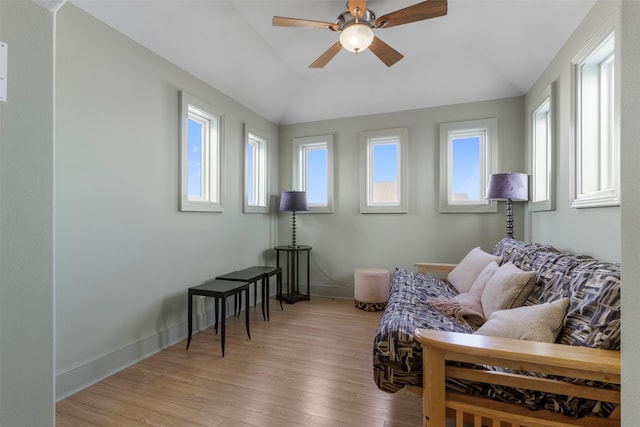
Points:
[(483, 278), (466, 272), (540, 322), (509, 287)]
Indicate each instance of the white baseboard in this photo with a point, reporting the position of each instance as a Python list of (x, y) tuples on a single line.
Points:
[(83, 375)]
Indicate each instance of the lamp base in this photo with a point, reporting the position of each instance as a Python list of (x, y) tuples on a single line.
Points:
[(509, 214)]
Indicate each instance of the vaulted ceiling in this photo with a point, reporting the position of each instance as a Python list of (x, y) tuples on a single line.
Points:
[(482, 49)]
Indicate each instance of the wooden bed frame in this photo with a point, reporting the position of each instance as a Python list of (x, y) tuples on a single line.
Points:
[(555, 359)]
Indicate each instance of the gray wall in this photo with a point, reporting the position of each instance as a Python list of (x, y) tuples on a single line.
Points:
[(630, 136), (125, 255), (346, 239), (26, 212), (594, 231)]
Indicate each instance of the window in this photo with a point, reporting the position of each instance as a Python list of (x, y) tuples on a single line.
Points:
[(384, 171), (542, 150), (313, 171), (467, 159), (595, 122), (200, 156), (255, 172)]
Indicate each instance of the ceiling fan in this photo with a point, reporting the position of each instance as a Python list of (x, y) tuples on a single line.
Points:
[(356, 25)]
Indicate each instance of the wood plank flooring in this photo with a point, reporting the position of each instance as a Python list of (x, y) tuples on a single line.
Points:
[(309, 366)]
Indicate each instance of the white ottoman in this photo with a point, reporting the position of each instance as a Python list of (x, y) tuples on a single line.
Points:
[(371, 288)]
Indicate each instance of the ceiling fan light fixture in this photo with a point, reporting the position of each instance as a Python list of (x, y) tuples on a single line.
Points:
[(356, 37)]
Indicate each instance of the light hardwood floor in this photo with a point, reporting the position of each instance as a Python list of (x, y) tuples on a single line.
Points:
[(309, 366)]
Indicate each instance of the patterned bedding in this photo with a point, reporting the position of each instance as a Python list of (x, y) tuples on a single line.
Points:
[(593, 320)]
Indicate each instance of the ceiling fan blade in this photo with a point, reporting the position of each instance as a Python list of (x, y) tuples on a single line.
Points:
[(361, 5), (280, 21), (423, 10), (326, 56), (386, 53)]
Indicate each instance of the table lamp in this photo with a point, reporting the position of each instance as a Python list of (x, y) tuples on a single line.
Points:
[(293, 201), (510, 187)]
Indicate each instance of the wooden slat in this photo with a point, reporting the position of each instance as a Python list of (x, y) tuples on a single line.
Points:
[(563, 360), (533, 383), (603, 364), (518, 415)]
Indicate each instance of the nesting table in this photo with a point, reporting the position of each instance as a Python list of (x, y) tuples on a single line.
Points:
[(252, 275), (220, 290)]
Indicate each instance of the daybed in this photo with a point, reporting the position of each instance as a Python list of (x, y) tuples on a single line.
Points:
[(481, 374)]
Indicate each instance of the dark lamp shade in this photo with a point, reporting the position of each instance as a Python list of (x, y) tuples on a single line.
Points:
[(293, 201), (505, 186)]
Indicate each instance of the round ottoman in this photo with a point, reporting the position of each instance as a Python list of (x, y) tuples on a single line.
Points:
[(371, 288)]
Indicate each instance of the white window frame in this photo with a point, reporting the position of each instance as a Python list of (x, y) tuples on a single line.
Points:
[(542, 154), (609, 144), (212, 164), (259, 171), (301, 146), (487, 129), (368, 141)]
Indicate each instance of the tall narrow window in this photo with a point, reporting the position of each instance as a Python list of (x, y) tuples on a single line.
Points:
[(255, 167), (384, 164), (313, 171), (467, 151), (595, 112), (200, 156), (542, 170)]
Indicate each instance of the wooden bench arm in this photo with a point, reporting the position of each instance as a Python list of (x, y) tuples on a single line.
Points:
[(519, 355), (604, 364), (433, 267)]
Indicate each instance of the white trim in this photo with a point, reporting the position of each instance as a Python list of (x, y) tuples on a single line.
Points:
[(607, 196), (548, 97), (488, 130), (368, 140), (261, 170), (300, 146), (213, 157)]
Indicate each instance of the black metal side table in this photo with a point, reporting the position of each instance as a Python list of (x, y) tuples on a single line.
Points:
[(293, 293), (220, 290), (252, 275)]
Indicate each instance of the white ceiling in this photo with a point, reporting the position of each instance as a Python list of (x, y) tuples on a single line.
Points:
[(482, 49)]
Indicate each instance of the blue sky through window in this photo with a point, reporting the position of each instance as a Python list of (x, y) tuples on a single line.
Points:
[(317, 177), (385, 162), (194, 159), (466, 167)]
